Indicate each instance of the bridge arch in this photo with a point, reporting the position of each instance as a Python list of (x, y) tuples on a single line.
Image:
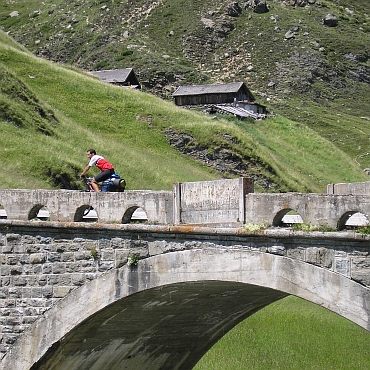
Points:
[(130, 212), (39, 212), (82, 212), (347, 216), (279, 218), (3, 214), (134, 316)]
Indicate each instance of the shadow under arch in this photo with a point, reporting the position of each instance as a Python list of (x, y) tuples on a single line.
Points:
[(167, 311), (354, 220), (85, 213), (3, 213), (38, 211)]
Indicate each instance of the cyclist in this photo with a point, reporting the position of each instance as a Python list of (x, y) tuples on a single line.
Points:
[(106, 168)]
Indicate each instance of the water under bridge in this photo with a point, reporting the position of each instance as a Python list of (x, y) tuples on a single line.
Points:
[(157, 295)]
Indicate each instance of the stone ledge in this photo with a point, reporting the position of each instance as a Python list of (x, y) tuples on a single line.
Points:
[(186, 229)]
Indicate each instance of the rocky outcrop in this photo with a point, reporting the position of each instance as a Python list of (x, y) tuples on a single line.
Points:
[(224, 159)]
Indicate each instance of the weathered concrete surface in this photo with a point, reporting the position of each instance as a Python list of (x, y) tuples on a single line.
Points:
[(69, 205), (221, 203), (211, 202), (167, 312), (315, 209), (357, 188)]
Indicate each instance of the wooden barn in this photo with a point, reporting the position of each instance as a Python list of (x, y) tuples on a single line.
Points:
[(122, 77), (212, 94)]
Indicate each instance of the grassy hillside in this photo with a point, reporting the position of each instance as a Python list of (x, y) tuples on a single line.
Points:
[(51, 114), (319, 77)]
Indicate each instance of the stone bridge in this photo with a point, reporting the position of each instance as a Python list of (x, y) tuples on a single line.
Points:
[(114, 294)]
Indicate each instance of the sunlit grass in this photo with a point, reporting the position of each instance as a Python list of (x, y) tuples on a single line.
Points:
[(114, 121), (302, 156), (291, 334)]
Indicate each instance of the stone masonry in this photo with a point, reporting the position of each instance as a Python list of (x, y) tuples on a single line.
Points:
[(41, 262)]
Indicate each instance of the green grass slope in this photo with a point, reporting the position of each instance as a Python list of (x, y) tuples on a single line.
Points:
[(319, 77), (51, 114), (291, 334)]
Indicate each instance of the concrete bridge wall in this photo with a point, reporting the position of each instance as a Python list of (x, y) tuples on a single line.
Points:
[(315, 209), (221, 203), (356, 188), (210, 202), (69, 205), (44, 262)]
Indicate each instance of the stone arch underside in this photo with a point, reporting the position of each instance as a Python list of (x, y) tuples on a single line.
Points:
[(166, 312)]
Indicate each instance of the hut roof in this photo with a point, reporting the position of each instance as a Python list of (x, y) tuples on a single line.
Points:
[(114, 75), (209, 89)]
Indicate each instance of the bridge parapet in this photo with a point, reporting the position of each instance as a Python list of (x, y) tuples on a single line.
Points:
[(70, 205), (315, 209), (217, 203), (220, 203), (356, 188)]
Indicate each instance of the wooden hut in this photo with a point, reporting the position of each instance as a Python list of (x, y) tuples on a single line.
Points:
[(212, 94), (122, 77)]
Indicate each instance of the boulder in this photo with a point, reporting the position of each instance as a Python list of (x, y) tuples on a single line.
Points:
[(330, 20), (258, 6)]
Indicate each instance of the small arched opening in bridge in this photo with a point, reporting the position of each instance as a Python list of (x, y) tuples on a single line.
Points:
[(3, 214), (134, 214), (85, 213), (287, 218), (39, 212), (352, 220)]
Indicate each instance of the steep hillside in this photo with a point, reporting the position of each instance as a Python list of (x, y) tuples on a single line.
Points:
[(313, 73), (50, 116)]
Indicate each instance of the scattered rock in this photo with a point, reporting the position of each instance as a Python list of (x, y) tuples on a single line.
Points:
[(261, 7), (35, 13), (330, 20), (207, 22), (258, 6), (289, 35), (233, 10), (351, 12)]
